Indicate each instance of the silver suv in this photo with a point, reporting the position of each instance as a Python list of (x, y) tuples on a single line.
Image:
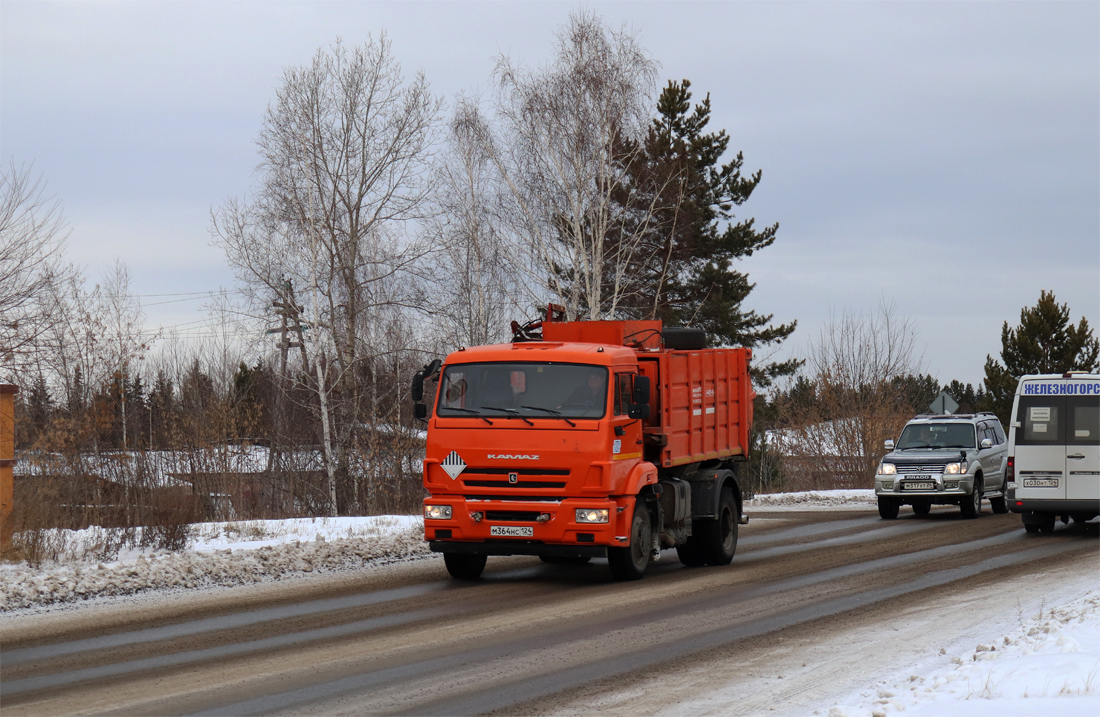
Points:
[(944, 460)]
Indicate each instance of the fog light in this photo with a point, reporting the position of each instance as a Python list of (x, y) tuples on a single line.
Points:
[(888, 485), (591, 515), (437, 512), (950, 484)]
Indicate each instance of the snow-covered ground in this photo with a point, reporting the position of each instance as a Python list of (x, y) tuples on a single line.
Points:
[(1047, 662)]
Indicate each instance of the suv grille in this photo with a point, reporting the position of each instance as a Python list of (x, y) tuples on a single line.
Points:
[(919, 469)]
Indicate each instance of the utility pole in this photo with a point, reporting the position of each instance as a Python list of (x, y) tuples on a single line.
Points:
[(290, 325)]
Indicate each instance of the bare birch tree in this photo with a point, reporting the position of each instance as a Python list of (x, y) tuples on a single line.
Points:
[(344, 152), (32, 235), (568, 132), (477, 272), (856, 369)]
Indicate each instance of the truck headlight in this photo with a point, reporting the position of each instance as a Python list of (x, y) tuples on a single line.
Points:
[(887, 469), (592, 515), (437, 512), (954, 469)]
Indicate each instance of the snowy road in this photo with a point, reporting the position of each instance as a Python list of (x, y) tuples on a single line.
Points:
[(813, 602)]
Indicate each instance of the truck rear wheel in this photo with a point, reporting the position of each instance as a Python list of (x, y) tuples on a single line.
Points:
[(464, 566), (629, 563), (564, 559), (718, 538), (690, 553)]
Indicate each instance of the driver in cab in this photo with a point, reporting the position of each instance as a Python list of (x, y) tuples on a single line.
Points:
[(591, 393)]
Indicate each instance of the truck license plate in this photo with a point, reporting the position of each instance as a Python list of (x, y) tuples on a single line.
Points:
[(924, 485), (512, 531), (1040, 482)]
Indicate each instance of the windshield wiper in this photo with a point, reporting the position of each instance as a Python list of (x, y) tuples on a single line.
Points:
[(510, 412), (552, 412), (470, 411)]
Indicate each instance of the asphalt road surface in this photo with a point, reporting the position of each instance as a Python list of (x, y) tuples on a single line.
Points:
[(814, 604)]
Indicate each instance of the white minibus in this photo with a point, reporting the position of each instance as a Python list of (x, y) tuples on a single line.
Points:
[(1054, 450)]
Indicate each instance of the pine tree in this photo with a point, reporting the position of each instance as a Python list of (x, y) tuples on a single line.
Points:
[(686, 276), (1044, 342)]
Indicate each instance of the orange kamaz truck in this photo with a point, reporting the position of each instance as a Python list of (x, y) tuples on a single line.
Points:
[(586, 439)]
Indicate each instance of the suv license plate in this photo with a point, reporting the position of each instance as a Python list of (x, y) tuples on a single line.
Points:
[(925, 485), (512, 531), (1040, 482)]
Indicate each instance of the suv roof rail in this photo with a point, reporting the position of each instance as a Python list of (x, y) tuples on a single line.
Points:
[(964, 416)]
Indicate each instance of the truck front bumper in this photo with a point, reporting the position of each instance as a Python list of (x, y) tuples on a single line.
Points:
[(532, 527)]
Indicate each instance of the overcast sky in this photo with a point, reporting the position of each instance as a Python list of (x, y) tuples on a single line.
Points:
[(941, 156)]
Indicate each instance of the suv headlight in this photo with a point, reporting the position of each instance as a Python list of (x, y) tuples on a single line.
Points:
[(954, 469), (592, 515), (887, 469), (437, 512)]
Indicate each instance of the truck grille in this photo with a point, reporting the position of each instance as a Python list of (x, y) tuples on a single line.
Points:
[(518, 484), (920, 469), (522, 516)]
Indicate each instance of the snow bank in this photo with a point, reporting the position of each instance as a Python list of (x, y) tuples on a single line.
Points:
[(814, 500), (222, 554), (1049, 664)]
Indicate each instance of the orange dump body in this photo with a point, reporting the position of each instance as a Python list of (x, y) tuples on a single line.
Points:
[(513, 476)]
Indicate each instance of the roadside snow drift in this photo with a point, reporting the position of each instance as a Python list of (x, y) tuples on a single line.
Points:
[(222, 554)]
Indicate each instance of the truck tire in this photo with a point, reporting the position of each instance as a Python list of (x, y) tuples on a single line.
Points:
[(464, 566), (718, 538), (690, 552), (630, 563), (565, 559), (683, 338), (888, 508), (971, 505)]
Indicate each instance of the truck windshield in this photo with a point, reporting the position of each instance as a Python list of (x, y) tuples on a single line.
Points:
[(937, 435), (515, 390)]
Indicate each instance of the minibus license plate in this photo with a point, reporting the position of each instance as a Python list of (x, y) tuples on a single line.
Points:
[(1040, 482), (512, 531), (925, 485)]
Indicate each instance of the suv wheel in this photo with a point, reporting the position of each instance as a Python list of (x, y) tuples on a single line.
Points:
[(888, 508), (972, 505)]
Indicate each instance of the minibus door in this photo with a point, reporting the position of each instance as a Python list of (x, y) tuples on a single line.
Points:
[(1083, 448), (1041, 448)]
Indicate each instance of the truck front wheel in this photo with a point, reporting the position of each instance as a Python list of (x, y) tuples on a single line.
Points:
[(464, 566), (629, 563)]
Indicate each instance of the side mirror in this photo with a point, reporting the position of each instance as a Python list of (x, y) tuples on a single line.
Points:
[(418, 379), (888, 445), (986, 443), (420, 411), (641, 390), (638, 410)]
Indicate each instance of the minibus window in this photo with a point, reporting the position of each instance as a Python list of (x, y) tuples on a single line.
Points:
[(1041, 417), (1086, 421)]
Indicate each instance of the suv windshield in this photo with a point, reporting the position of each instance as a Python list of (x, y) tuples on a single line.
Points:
[(543, 390), (937, 435)]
